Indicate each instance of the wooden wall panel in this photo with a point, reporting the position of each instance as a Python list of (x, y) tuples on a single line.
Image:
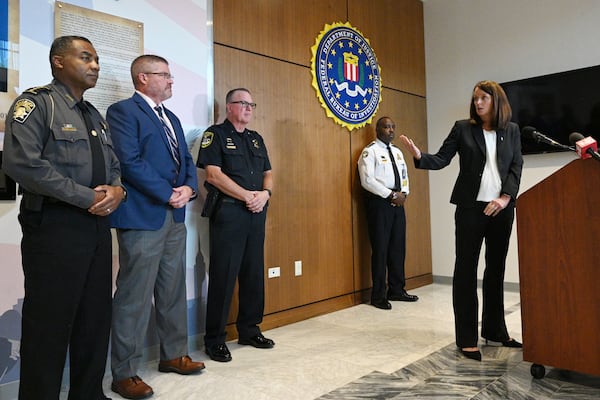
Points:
[(282, 29), (396, 32), (316, 214)]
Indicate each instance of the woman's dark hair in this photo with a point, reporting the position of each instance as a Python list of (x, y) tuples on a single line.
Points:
[(501, 110)]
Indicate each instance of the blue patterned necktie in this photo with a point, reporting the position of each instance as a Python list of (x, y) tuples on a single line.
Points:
[(170, 136)]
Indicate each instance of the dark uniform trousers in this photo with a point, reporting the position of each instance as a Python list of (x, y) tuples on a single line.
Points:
[(66, 255), (387, 233), (237, 239), (472, 227)]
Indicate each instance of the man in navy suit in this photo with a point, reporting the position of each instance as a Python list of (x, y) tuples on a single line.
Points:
[(160, 177)]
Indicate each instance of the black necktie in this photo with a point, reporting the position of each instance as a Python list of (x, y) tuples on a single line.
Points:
[(170, 136), (397, 185), (98, 171)]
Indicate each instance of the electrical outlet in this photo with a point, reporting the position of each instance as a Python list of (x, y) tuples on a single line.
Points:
[(274, 272), (298, 268)]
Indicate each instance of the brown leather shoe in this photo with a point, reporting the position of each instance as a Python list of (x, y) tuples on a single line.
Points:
[(132, 388), (182, 365)]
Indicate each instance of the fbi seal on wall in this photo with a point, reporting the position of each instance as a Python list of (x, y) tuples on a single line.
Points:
[(346, 75)]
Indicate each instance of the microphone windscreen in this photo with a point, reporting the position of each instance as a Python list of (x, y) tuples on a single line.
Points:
[(528, 132), (575, 137)]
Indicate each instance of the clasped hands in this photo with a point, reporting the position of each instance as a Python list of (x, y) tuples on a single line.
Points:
[(181, 196), (106, 199), (256, 200), (495, 206), (399, 200)]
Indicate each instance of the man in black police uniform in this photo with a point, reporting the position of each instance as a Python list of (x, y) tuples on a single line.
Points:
[(59, 149), (239, 172), (383, 174)]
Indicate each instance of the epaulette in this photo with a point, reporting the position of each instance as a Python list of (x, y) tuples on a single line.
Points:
[(38, 89), (370, 144)]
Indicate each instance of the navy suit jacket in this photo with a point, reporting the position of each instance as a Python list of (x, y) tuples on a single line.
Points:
[(148, 170), (467, 140)]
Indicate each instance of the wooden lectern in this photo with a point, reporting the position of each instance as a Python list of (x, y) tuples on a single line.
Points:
[(558, 227)]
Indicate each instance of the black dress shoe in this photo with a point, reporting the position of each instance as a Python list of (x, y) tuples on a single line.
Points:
[(382, 304), (218, 352), (403, 296), (258, 341), (473, 355)]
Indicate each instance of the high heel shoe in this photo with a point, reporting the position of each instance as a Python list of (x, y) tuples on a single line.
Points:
[(508, 343), (512, 343), (473, 355)]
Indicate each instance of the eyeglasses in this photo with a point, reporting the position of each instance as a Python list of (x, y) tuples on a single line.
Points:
[(244, 103), (165, 75)]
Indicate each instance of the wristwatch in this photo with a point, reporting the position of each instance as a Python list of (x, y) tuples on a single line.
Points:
[(393, 196)]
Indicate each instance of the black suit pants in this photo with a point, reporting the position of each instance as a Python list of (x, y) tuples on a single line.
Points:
[(387, 233), (67, 263), (237, 239), (472, 228)]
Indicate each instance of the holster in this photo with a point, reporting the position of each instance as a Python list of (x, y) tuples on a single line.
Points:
[(211, 202)]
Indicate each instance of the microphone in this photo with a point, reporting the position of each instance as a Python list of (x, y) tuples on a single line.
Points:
[(530, 132), (586, 147)]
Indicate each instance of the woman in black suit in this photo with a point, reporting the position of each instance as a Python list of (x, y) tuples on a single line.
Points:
[(489, 149)]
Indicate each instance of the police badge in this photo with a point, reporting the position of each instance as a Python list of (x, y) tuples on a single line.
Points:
[(22, 109), (346, 75)]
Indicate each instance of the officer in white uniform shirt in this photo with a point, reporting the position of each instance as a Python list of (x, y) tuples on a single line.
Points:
[(384, 176)]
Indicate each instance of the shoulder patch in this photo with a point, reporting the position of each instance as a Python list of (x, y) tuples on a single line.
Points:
[(365, 154), (207, 139), (23, 109)]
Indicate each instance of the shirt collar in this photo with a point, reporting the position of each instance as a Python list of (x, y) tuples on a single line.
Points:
[(148, 100), (381, 143)]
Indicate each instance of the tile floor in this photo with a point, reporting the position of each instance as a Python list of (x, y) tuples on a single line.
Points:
[(366, 353)]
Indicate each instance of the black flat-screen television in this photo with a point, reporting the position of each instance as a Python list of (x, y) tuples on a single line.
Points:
[(556, 105)]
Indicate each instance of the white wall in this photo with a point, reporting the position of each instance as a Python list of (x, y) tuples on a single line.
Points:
[(470, 40)]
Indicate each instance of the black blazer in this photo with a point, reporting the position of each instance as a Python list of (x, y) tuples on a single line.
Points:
[(467, 140)]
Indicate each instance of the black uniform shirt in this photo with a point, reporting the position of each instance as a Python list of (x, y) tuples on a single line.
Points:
[(241, 156)]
